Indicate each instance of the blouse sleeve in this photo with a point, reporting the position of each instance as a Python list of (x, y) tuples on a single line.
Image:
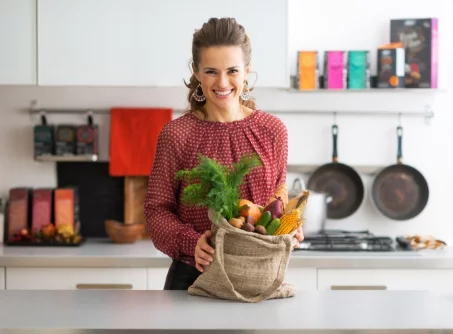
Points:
[(281, 149), (167, 232)]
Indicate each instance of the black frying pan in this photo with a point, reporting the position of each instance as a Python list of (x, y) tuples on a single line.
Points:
[(341, 182), (400, 191)]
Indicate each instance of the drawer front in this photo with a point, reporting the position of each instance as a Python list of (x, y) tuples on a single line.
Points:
[(156, 278), (75, 278), (302, 278), (2, 278), (385, 279)]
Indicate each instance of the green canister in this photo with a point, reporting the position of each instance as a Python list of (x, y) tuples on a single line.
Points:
[(358, 70)]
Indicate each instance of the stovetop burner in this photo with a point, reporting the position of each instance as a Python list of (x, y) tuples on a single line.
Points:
[(338, 240)]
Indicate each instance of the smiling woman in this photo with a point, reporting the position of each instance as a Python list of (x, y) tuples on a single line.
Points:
[(221, 52), (222, 123)]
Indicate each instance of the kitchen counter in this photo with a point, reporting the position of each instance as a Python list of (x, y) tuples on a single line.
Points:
[(104, 253), (176, 311)]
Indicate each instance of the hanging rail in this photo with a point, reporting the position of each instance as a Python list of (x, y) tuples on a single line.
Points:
[(427, 113)]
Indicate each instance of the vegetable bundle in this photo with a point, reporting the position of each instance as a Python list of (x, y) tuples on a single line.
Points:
[(217, 187)]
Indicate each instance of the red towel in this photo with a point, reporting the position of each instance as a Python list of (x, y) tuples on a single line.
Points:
[(133, 139)]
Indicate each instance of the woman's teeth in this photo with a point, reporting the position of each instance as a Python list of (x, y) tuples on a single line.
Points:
[(223, 92)]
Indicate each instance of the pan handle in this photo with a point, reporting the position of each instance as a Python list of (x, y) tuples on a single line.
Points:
[(399, 133), (335, 141)]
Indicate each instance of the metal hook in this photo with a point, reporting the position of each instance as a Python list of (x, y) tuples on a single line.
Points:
[(400, 115), (90, 117), (42, 114), (334, 117)]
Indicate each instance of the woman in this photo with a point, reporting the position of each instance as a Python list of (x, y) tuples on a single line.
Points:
[(222, 123)]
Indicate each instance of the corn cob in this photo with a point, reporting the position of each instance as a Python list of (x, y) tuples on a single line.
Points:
[(289, 222), (297, 202)]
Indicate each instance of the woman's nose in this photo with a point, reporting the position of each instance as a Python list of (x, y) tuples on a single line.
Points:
[(223, 81)]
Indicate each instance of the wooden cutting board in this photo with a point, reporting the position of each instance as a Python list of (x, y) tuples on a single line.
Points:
[(135, 188)]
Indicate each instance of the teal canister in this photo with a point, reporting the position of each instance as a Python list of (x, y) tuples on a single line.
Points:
[(358, 70)]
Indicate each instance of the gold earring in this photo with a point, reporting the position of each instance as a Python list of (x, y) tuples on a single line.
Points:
[(245, 96), (198, 98)]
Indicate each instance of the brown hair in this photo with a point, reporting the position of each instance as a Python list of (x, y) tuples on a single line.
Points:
[(217, 32)]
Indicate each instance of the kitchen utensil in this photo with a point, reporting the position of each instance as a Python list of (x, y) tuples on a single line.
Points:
[(43, 138), (87, 138), (65, 140), (315, 212), (123, 233), (341, 182), (400, 191), (135, 188)]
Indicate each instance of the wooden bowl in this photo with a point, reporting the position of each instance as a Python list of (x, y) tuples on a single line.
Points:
[(123, 233)]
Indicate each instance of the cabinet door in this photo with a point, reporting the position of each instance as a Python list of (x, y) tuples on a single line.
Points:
[(148, 42), (2, 278), (385, 279), (17, 42), (75, 278), (103, 42), (156, 278), (302, 278)]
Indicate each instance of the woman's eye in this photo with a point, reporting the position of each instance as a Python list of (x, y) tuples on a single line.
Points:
[(233, 71), (210, 72)]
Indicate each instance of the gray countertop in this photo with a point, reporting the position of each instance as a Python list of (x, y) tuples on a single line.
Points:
[(104, 253), (329, 311)]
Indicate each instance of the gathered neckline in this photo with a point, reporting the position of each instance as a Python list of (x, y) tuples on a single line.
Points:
[(240, 122)]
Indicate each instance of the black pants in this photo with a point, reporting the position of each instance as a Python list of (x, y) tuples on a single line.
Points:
[(180, 276)]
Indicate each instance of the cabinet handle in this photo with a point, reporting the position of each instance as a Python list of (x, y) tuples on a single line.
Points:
[(358, 287), (97, 286)]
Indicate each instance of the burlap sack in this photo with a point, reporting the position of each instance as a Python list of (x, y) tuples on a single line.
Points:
[(247, 266)]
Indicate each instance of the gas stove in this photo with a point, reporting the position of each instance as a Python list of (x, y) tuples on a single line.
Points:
[(340, 241)]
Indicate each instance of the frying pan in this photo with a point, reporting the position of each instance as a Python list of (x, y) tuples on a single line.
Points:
[(341, 182), (400, 191)]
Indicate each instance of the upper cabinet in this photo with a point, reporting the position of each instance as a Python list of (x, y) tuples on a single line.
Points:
[(17, 42), (148, 42)]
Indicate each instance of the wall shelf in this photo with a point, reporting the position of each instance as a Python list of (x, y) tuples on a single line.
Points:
[(373, 88), (423, 91), (66, 158)]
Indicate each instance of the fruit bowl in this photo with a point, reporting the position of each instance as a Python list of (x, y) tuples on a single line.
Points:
[(123, 233)]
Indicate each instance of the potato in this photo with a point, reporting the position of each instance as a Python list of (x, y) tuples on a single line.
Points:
[(260, 229), (236, 222), (248, 227)]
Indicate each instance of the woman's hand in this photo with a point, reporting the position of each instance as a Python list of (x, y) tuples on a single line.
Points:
[(298, 237), (203, 251)]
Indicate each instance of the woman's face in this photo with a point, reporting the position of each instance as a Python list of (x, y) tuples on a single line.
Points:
[(222, 73)]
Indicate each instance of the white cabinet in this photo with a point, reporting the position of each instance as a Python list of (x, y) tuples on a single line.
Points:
[(2, 278), (75, 278), (302, 278), (156, 278), (386, 279), (148, 42), (17, 42)]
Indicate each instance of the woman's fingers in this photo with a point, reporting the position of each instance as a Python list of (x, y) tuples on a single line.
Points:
[(204, 257), (199, 268)]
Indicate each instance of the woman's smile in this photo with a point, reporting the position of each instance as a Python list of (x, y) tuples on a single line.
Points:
[(223, 94)]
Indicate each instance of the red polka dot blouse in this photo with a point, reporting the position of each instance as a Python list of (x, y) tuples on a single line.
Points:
[(174, 227)]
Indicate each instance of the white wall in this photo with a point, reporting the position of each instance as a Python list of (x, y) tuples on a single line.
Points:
[(362, 140)]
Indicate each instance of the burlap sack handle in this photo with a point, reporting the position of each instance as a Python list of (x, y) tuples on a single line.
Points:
[(219, 241)]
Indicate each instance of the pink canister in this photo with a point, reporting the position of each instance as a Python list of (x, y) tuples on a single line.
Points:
[(335, 69)]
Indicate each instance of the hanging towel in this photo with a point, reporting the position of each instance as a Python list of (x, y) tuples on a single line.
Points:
[(133, 139)]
